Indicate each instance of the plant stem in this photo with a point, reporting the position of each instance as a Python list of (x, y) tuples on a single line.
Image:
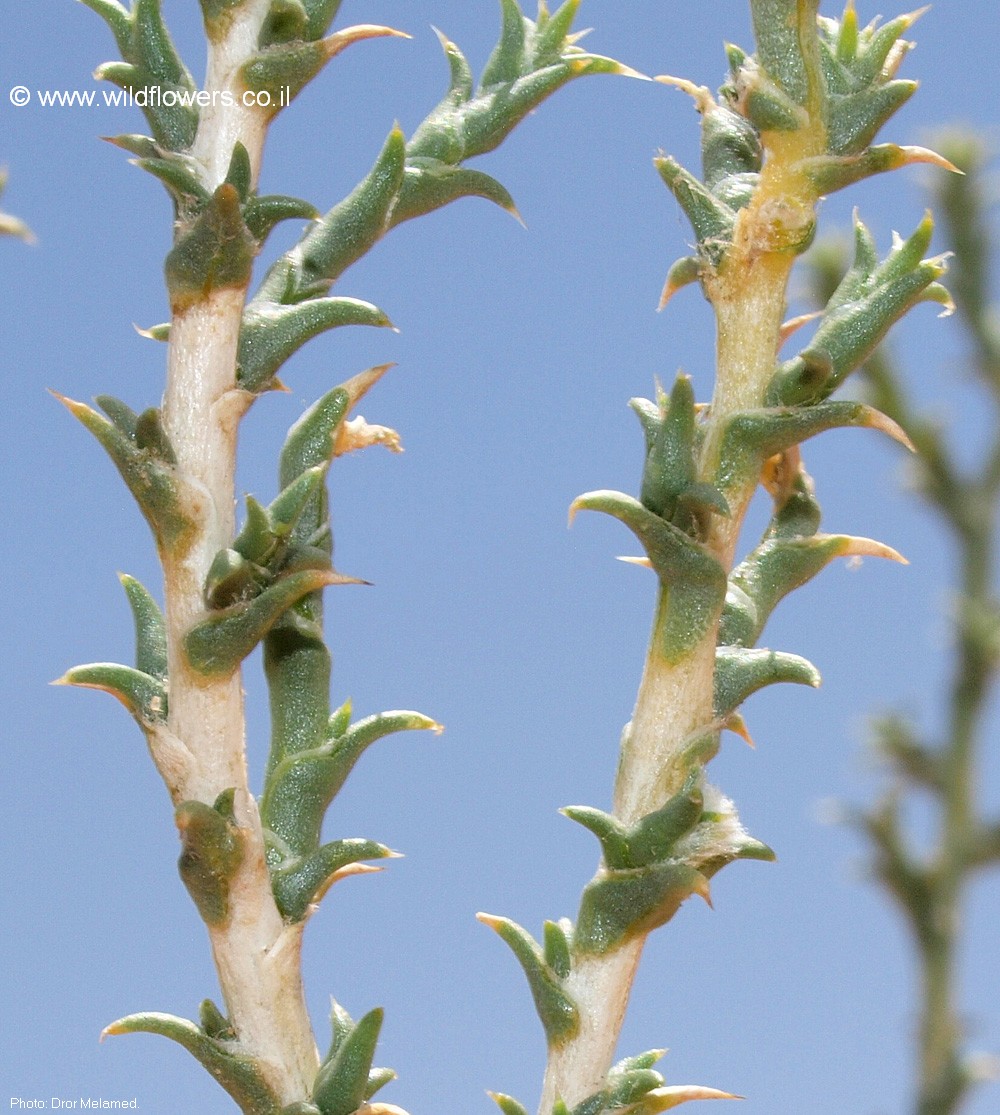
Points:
[(256, 954), (674, 702), (969, 506), (600, 986), (930, 887), (942, 1080)]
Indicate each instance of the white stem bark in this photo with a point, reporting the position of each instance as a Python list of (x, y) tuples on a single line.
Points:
[(256, 954), (675, 701), (673, 704)]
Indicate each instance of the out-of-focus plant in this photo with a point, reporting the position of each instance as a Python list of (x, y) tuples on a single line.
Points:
[(929, 881), (795, 121), (255, 868), (11, 226)]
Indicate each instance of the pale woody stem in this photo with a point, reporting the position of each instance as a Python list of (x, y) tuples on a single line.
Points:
[(256, 954), (600, 987), (750, 308), (674, 701)]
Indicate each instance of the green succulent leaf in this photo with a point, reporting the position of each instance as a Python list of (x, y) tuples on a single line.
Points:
[(619, 905), (711, 218), (311, 440), (240, 172), (557, 1011), (271, 333), (300, 883), (256, 540), (214, 1022), (151, 437), (780, 27), (740, 671), (281, 70), (769, 109), (558, 944), (342, 1081), (238, 1073), (297, 668), (461, 83), (263, 212), (217, 16), (145, 697), (286, 21), (217, 644), (693, 580), (211, 854), (532, 60), (859, 67), (341, 1024), (151, 63), (180, 175), (630, 1087), (231, 579), (730, 146), (159, 332), (377, 1080), (296, 659), (773, 570), (636, 1063), (150, 478), (214, 252), (430, 184), (300, 786), (670, 463), (340, 237), (507, 1104), (286, 509), (829, 173), (505, 62), (651, 839), (682, 273), (669, 485), (150, 629), (612, 834), (261, 551), (752, 436), (321, 14), (116, 17), (871, 297), (143, 147)]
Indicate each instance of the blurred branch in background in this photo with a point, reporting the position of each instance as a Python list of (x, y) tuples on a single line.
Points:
[(11, 226), (930, 887)]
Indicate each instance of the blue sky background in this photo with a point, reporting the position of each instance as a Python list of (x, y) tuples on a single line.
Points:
[(517, 353)]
